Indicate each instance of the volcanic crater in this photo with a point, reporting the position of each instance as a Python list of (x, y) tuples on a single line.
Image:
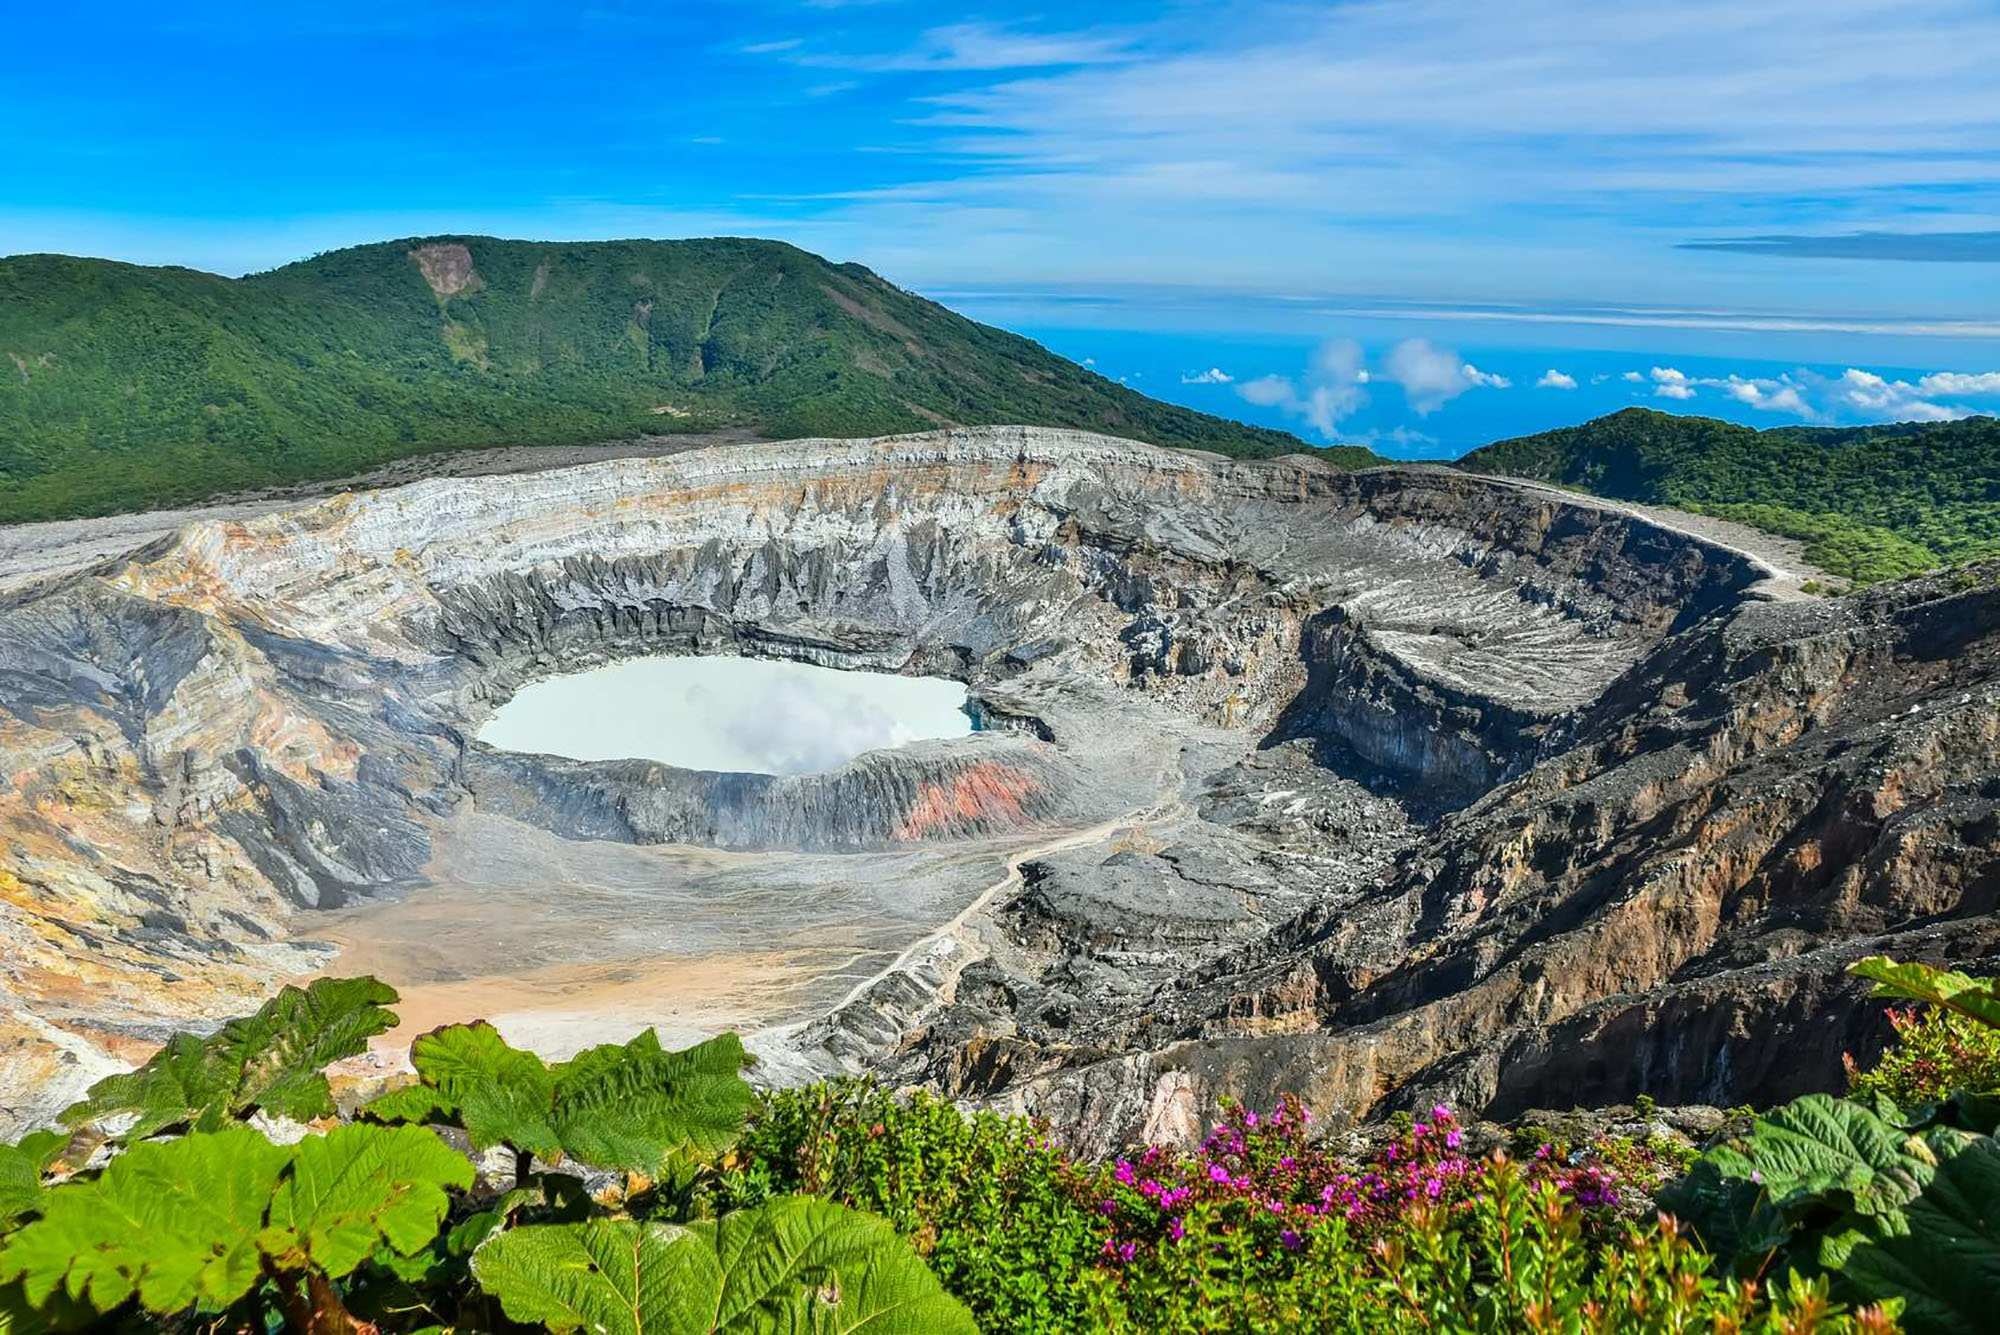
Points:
[(1373, 786)]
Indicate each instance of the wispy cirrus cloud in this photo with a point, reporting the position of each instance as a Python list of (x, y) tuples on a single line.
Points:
[(975, 47), (1544, 147), (1923, 247)]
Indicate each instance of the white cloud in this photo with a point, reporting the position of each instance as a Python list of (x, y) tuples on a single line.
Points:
[(1214, 375), (1771, 396), (1954, 382), (1332, 388), (1432, 376), (1554, 379), (1894, 400), (1671, 383), (1269, 391), (1635, 377)]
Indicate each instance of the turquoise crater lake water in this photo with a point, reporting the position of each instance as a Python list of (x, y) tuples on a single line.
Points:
[(745, 715)]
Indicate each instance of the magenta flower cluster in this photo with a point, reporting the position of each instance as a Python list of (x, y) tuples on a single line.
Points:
[(1264, 1172)]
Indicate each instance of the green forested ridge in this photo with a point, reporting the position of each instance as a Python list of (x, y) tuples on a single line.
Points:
[(1871, 502), (123, 387)]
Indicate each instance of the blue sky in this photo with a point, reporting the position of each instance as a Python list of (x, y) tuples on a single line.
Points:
[(1366, 215)]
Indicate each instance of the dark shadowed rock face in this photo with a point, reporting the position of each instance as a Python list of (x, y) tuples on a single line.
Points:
[(1364, 785), (1664, 904)]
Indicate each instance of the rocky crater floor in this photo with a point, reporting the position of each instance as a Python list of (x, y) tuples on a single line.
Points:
[(1377, 787)]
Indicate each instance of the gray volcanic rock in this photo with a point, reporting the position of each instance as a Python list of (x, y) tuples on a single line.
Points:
[(1284, 754), (1663, 905)]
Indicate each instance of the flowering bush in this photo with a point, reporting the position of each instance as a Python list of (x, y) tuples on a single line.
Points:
[(1263, 1227), (1264, 1172), (1002, 1217), (1936, 1053)]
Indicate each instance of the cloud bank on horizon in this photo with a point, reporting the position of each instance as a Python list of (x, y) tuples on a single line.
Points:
[(1338, 381)]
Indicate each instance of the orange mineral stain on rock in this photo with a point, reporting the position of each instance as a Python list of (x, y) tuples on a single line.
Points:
[(988, 795)]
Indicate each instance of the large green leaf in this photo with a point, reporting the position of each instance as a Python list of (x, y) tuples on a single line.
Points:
[(637, 1107), (1975, 998), (1817, 1146), (272, 1060), (634, 1106), (358, 1188), (1946, 1267), (607, 1276), (21, 1169), (802, 1263), (175, 1222), (498, 1093), (796, 1264)]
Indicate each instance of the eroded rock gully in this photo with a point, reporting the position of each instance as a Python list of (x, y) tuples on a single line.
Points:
[(1371, 786)]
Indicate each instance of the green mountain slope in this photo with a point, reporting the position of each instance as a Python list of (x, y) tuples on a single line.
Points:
[(123, 387), (1870, 502)]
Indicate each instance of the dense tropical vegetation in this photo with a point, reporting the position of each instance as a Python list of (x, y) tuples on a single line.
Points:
[(124, 387), (1870, 503), (632, 1189)]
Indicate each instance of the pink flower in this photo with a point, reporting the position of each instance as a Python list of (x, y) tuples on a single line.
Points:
[(1124, 1172), (1175, 1229), (1291, 1240), (1217, 1173)]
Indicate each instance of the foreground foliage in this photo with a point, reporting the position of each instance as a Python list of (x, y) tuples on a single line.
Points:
[(1264, 1228), (736, 1273), (385, 1224), (842, 1207), (273, 1060), (1886, 1200), (632, 1106)]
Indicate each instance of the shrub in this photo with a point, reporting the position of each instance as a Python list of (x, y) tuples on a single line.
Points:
[(1517, 1256), (1950, 1044), (1262, 1228), (1001, 1215), (1935, 1054), (841, 1206)]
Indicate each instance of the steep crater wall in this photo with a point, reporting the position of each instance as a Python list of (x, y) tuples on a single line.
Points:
[(263, 717)]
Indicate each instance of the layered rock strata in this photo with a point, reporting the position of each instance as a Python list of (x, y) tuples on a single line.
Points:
[(1334, 728)]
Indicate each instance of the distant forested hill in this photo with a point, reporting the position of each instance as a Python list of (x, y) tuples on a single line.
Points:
[(124, 387), (1871, 502)]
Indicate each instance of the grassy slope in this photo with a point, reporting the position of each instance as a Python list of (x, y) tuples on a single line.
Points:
[(1871, 502), (124, 387)]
